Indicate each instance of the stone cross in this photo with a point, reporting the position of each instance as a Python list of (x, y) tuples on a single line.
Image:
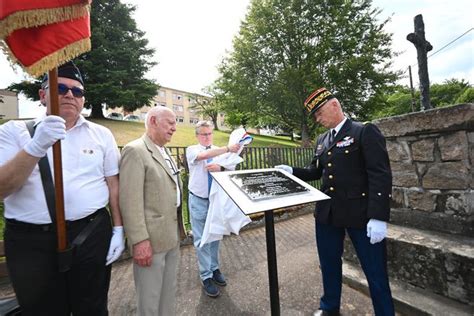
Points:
[(422, 48)]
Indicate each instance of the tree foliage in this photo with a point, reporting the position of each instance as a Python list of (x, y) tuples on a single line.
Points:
[(399, 100), (207, 106), (114, 69), (287, 48), (448, 92)]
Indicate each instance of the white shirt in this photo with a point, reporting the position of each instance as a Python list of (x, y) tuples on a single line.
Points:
[(198, 175), (339, 126), (174, 170), (89, 154)]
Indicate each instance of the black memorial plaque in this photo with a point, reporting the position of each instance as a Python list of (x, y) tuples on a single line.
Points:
[(266, 184)]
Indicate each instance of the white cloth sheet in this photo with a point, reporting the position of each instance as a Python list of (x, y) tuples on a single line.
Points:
[(224, 216)]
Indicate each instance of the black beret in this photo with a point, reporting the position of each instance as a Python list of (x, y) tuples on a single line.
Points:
[(68, 70)]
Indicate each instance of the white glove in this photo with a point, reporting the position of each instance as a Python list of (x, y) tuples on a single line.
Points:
[(376, 230), (49, 131), (286, 168), (117, 245)]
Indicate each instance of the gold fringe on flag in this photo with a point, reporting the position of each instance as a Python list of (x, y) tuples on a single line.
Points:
[(55, 59), (38, 17)]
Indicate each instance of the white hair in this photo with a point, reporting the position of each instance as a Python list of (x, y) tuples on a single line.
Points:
[(203, 124), (156, 111)]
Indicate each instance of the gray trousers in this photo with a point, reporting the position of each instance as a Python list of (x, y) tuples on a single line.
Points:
[(156, 284)]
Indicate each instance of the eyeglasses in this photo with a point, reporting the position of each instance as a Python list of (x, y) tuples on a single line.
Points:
[(63, 90), (172, 166), (205, 134)]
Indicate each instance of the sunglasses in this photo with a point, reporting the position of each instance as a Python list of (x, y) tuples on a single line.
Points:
[(63, 90)]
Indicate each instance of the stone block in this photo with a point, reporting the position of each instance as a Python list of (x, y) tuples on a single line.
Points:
[(404, 175), (460, 116), (453, 146), (398, 198), (398, 151), (460, 204), (447, 175), (439, 221), (470, 137), (423, 150), (419, 199)]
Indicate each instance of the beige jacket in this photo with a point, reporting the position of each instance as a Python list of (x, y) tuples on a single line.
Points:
[(148, 197)]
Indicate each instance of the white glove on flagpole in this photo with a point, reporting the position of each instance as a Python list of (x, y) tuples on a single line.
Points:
[(376, 230), (48, 131), (117, 245), (286, 168)]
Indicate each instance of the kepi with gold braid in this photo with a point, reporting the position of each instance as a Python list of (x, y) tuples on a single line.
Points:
[(317, 99)]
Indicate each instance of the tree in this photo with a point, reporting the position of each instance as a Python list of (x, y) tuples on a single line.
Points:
[(114, 69), (448, 92), (287, 48), (466, 97), (207, 106)]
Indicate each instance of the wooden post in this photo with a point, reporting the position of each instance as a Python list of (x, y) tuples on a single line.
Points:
[(57, 162), (422, 48)]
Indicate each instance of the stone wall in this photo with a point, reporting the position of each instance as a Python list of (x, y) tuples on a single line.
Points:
[(432, 159)]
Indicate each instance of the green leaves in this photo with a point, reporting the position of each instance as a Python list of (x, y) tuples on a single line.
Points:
[(287, 48)]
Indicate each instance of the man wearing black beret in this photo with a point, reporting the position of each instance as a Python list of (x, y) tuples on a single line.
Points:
[(352, 160), (90, 171)]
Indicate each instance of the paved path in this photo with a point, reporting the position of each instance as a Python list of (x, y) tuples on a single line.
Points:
[(244, 262)]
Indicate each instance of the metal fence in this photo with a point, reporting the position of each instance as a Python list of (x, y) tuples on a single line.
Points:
[(258, 157)]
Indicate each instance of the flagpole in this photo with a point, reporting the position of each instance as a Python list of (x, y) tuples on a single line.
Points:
[(57, 163)]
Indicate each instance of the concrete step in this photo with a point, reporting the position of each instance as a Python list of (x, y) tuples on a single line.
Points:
[(434, 221), (440, 263), (409, 300)]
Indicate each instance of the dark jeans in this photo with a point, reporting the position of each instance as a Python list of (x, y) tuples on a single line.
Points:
[(42, 290)]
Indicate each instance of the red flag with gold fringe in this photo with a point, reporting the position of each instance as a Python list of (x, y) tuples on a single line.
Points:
[(42, 34)]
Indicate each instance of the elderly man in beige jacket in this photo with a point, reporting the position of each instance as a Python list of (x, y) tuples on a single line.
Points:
[(150, 199)]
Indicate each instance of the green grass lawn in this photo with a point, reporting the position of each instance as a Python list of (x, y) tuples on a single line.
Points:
[(125, 131)]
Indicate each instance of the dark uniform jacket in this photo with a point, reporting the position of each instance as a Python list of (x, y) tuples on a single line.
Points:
[(355, 172)]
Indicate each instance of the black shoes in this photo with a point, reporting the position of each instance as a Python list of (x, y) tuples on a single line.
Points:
[(219, 278), (208, 284), (210, 289)]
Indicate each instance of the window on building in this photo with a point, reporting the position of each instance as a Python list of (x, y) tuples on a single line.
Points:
[(177, 96), (177, 108), (162, 93), (193, 120), (179, 119)]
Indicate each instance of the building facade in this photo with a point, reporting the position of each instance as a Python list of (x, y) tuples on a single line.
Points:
[(8, 105), (181, 102)]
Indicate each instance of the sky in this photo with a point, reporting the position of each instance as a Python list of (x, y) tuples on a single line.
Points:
[(192, 37)]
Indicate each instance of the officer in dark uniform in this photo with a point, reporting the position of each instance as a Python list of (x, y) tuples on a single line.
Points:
[(352, 160)]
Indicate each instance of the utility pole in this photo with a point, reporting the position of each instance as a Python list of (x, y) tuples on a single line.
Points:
[(422, 48)]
